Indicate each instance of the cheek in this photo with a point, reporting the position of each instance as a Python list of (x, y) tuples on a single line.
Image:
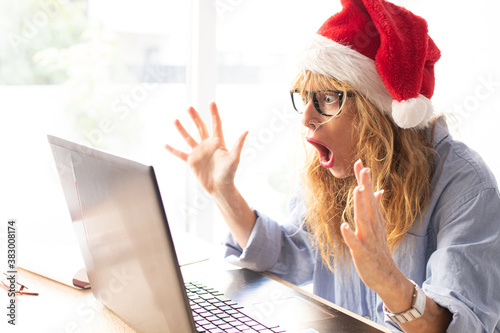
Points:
[(352, 136), (345, 158), (346, 142), (353, 142), (346, 149)]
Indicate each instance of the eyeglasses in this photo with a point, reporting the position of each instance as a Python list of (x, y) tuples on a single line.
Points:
[(17, 292), (326, 102)]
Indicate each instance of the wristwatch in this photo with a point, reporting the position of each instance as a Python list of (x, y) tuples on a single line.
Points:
[(416, 311)]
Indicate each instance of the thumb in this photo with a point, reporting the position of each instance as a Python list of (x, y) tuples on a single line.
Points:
[(238, 146), (349, 236)]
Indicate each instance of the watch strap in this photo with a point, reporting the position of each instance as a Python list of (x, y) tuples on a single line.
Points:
[(416, 311)]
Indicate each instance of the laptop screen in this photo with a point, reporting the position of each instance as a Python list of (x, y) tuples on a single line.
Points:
[(117, 213)]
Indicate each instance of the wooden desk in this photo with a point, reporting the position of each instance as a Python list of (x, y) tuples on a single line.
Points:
[(58, 309)]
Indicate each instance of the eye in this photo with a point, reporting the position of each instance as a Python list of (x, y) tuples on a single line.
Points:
[(331, 98)]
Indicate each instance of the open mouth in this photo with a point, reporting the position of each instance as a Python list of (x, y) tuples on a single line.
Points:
[(326, 157)]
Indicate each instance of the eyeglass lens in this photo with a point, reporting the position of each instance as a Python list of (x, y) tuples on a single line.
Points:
[(326, 102)]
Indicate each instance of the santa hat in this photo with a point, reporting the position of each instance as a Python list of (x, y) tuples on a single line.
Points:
[(384, 52)]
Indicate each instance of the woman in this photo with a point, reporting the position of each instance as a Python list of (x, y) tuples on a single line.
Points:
[(394, 219)]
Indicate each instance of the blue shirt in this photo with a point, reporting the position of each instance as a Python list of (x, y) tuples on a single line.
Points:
[(454, 254)]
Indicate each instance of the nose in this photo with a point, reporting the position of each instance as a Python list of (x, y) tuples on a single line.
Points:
[(310, 117)]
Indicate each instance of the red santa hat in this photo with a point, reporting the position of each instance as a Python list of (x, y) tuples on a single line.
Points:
[(384, 52)]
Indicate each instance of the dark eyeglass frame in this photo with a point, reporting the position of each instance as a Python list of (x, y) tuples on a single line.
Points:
[(339, 93)]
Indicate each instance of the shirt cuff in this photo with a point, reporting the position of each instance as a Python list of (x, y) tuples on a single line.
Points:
[(262, 250), (464, 319)]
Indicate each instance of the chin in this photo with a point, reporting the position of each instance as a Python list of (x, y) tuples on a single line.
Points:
[(340, 173)]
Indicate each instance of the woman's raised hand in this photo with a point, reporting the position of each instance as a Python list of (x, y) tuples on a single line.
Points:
[(212, 163)]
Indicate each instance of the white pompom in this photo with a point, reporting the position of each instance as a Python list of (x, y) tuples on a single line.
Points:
[(412, 113)]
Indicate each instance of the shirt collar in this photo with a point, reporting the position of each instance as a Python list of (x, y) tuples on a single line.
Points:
[(441, 131)]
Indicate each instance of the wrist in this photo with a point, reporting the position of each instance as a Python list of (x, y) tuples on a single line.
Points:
[(416, 311), (224, 194), (238, 215), (397, 294)]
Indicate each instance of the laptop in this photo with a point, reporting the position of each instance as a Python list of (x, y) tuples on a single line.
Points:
[(124, 237)]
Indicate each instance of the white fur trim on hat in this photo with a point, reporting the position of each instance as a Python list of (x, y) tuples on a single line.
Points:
[(325, 57), (413, 112)]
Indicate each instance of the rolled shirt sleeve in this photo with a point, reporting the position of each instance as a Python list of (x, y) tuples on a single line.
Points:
[(284, 250), (463, 274)]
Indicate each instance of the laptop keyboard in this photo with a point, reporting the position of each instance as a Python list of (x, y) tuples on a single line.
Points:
[(213, 312)]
